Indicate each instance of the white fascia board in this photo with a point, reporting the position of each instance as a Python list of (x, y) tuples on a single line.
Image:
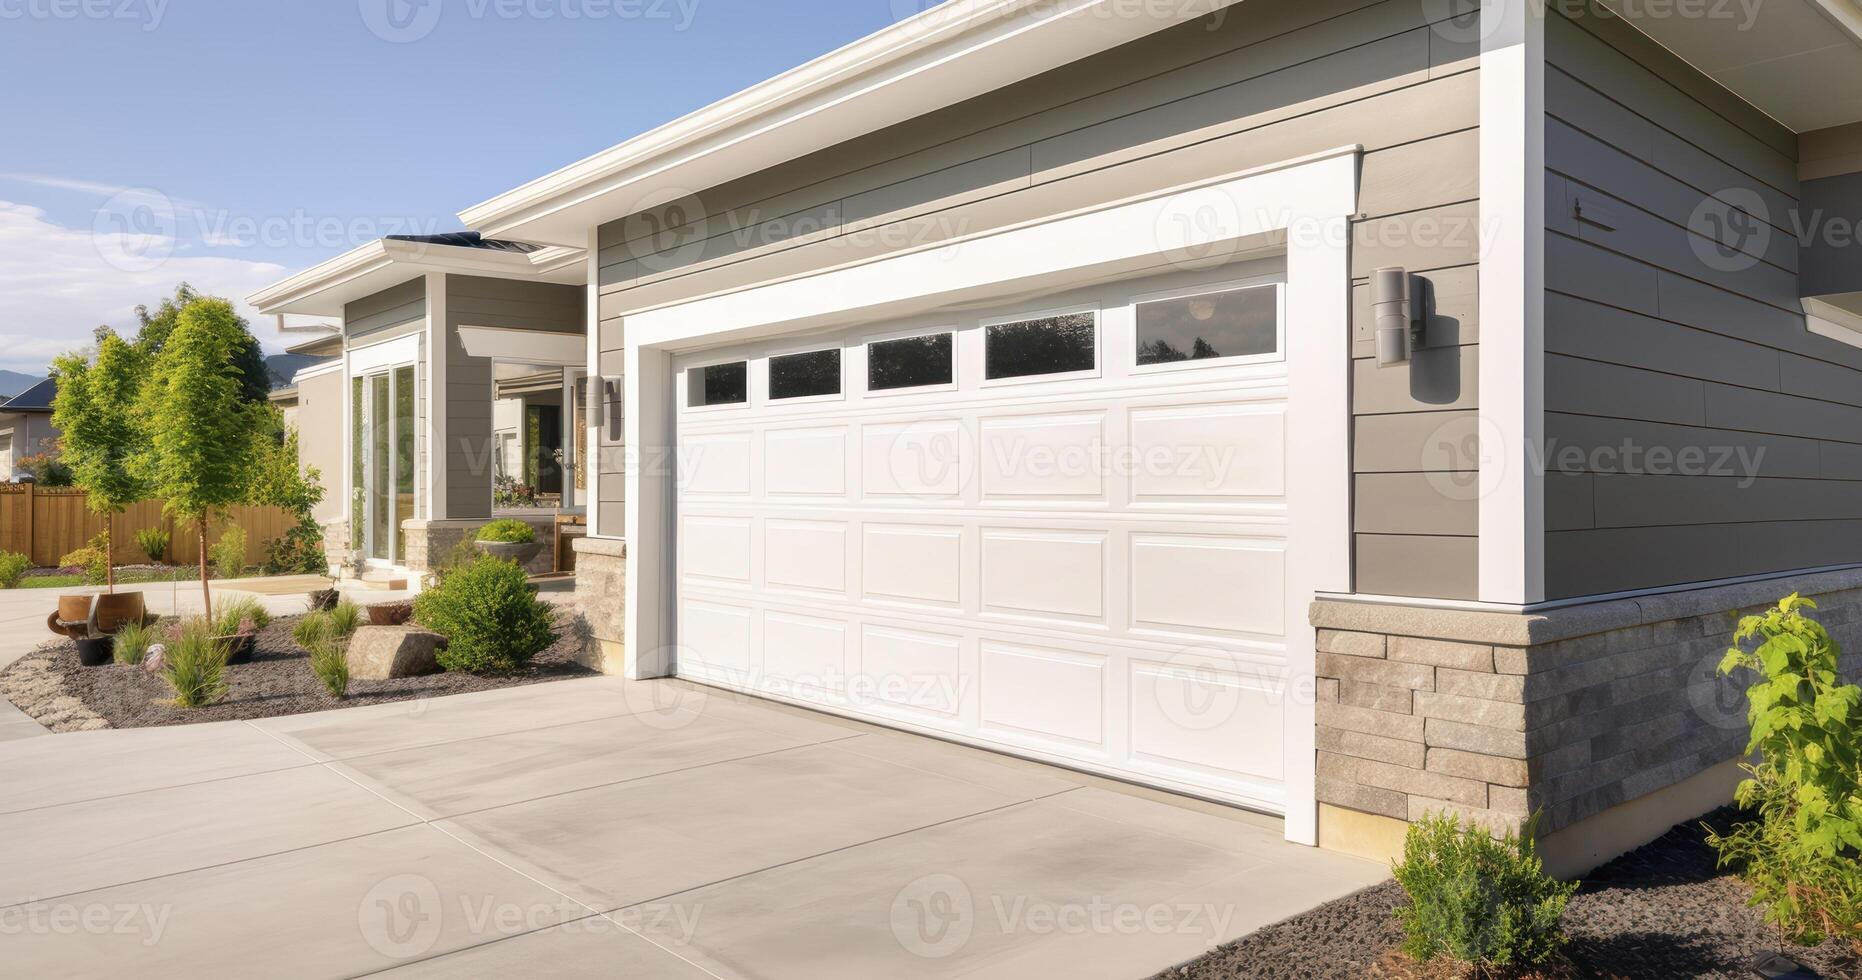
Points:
[(323, 289), (954, 51), (534, 347)]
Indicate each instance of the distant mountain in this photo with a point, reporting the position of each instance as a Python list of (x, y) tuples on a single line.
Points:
[(13, 382), (284, 367)]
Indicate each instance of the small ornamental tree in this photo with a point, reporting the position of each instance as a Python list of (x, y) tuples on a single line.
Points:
[(97, 410), (200, 456)]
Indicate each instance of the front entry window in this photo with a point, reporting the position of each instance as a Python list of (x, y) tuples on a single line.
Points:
[(382, 462)]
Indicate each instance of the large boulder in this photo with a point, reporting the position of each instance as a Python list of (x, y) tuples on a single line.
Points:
[(384, 653)]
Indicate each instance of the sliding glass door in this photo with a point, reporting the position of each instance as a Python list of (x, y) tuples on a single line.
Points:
[(382, 429)]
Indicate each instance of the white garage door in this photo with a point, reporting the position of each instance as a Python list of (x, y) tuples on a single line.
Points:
[(1055, 528)]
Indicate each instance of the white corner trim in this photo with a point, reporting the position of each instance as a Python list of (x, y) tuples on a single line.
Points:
[(1826, 319), (317, 371), (1304, 206), (1512, 302), (597, 394), (437, 352)]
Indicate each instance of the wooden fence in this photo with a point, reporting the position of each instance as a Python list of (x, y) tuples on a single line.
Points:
[(47, 523)]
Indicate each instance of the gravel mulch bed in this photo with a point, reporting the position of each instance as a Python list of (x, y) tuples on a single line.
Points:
[(50, 685), (1663, 910)]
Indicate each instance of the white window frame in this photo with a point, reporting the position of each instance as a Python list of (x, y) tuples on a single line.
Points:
[(867, 341), (816, 348), (1098, 312), (685, 386), (1279, 355)]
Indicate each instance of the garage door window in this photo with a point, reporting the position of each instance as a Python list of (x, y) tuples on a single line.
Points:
[(910, 362), (1210, 326), (1066, 344), (718, 384), (811, 375)]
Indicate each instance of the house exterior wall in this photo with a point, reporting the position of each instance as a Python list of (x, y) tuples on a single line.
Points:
[(1691, 351), (321, 438), (1203, 99), (32, 432)]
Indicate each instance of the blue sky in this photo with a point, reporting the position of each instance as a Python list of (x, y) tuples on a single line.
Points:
[(231, 142)]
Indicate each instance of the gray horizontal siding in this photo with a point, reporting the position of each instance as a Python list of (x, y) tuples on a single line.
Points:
[(393, 307), (1695, 429), (1206, 99)]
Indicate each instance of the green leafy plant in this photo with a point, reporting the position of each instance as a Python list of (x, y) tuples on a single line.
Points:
[(1478, 899), (154, 542), (195, 665), (508, 531), (313, 629), (278, 481), (330, 662), (132, 643), (46, 469), (1803, 853), (229, 553), (13, 567), (103, 433), (92, 559), (489, 616), (346, 618), (244, 609)]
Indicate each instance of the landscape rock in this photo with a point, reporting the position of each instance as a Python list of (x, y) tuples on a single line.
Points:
[(383, 653)]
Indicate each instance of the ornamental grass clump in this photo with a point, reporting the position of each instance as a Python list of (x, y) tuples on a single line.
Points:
[(132, 643), (345, 618), (233, 617), (195, 665), (492, 621), (330, 662), (1479, 900), (1802, 852)]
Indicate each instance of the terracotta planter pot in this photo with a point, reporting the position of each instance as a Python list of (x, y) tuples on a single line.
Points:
[(117, 611), (518, 551), (391, 614)]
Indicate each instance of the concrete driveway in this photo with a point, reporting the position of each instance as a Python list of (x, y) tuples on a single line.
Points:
[(599, 827)]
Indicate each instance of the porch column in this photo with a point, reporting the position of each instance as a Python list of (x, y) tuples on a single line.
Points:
[(456, 458)]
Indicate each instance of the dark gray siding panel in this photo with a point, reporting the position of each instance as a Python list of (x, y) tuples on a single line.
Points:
[(1290, 78), (393, 307), (1695, 428)]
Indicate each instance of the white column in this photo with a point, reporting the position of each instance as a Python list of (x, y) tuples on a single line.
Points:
[(1512, 302), (650, 488), (597, 408), (433, 352)]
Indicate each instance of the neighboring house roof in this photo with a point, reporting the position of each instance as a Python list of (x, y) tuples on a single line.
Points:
[(328, 345), (283, 368), (37, 398), (468, 239)]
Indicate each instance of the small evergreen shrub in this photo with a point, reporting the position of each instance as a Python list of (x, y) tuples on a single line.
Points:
[(195, 665), (1803, 853), (154, 542), (330, 662), (491, 620), (1477, 899), (345, 619), (228, 554), (229, 618), (13, 567), (508, 531), (132, 643)]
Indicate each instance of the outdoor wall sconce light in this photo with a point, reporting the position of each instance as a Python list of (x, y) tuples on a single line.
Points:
[(1401, 315)]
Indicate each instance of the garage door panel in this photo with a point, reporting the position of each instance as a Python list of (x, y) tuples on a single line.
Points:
[(914, 669), (1183, 582), (1208, 453), (714, 640), (715, 464), (1050, 694), (805, 654), (808, 555), (1044, 458), (1218, 719), (1029, 571), (716, 548), (927, 459), (805, 462), (914, 563)]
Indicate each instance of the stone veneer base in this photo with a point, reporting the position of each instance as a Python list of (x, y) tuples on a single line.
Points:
[(601, 592)]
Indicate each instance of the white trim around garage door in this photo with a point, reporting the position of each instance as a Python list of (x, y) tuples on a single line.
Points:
[(1301, 206)]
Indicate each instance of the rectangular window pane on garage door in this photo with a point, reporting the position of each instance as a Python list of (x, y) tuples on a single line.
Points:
[(1050, 345), (718, 384), (1236, 323), (810, 375), (909, 362)]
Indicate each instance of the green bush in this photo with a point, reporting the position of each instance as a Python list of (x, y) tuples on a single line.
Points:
[(91, 559), (330, 663), (491, 620), (346, 618), (154, 542), (13, 567), (228, 554), (232, 613), (1477, 899), (132, 643), (508, 531), (1803, 855), (195, 666)]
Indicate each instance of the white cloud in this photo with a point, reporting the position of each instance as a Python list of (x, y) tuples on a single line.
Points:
[(57, 284)]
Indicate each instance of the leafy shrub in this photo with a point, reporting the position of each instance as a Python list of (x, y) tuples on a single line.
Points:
[(315, 628), (229, 618), (296, 552), (1803, 855), (91, 559), (46, 469), (132, 643), (508, 531), (195, 665), (346, 618), (228, 554), (1477, 899), (13, 566), (489, 616), (330, 663), (154, 542)]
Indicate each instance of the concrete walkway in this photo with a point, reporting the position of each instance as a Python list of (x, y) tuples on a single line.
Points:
[(605, 828)]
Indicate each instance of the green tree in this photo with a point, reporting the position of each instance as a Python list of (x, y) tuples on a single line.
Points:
[(255, 382), (203, 432), (97, 410), (279, 481)]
